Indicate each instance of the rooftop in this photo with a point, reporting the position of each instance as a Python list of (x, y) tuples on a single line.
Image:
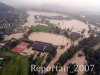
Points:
[(41, 46)]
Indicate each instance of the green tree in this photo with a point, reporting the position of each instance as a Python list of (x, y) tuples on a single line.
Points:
[(72, 69)]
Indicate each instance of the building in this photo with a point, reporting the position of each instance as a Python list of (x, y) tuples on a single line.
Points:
[(42, 46)]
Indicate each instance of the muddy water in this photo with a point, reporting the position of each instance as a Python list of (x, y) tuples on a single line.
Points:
[(80, 61), (17, 36), (45, 13), (49, 38), (74, 24), (30, 19)]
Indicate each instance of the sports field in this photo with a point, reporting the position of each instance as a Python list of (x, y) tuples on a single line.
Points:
[(19, 48), (41, 28), (18, 65)]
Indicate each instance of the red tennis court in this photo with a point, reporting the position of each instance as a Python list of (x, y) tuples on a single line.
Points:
[(19, 48)]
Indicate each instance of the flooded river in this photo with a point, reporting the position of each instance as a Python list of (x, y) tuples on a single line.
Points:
[(74, 24)]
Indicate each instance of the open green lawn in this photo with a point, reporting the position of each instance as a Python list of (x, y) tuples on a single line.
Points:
[(18, 65), (41, 28)]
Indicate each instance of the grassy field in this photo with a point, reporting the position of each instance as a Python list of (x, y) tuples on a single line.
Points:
[(41, 28), (18, 65)]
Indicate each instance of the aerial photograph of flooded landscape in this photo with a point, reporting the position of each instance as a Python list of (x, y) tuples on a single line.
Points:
[(49, 37)]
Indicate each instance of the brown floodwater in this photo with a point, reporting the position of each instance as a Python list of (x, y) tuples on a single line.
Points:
[(74, 24), (16, 35), (80, 61), (49, 38)]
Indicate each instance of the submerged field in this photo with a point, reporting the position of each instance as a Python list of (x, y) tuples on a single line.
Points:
[(18, 65), (49, 38), (41, 28)]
